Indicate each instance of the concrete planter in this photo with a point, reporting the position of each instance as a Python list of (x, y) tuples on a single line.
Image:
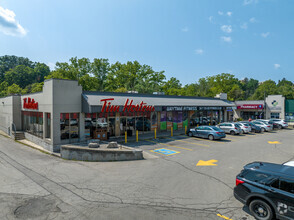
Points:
[(102, 155)]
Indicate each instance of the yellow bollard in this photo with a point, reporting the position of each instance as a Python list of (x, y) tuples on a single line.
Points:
[(186, 129), (209, 124), (137, 136), (155, 133), (126, 139), (171, 131)]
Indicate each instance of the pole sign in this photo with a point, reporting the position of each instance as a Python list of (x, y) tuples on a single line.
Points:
[(29, 103), (128, 107)]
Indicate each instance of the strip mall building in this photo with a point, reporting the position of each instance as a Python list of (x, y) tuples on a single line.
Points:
[(62, 113)]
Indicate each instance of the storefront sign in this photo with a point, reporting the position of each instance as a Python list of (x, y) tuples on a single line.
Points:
[(210, 108), (179, 108), (29, 103), (128, 107), (250, 106)]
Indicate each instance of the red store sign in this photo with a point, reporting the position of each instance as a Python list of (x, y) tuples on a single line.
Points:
[(128, 107), (250, 106), (29, 103)]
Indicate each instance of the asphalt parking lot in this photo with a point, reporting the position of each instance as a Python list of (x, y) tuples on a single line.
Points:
[(222, 160), (180, 178)]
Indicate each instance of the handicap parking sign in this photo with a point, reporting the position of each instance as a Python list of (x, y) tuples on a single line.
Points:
[(165, 151)]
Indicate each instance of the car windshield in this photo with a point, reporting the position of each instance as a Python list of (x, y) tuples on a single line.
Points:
[(237, 125), (216, 128), (246, 124)]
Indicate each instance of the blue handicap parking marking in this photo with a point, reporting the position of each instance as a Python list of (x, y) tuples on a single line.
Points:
[(165, 151)]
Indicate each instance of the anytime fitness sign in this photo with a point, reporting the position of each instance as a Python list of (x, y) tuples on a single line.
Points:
[(128, 107)]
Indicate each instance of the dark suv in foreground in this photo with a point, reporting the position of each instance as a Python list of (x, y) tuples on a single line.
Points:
[(267, 189)]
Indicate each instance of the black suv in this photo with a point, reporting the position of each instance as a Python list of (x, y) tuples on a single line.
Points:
[(268, 190)]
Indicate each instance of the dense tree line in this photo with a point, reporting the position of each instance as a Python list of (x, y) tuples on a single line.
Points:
[(19, 75)]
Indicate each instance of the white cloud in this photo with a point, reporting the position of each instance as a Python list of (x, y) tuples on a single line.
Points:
[(185, 29), (229, 13), (220, 13), (226, 28), (277, 66), (210, 19), (248, 2), (226, 39), (51, 65), (265, 35), (252, 20), (8, 24), (244, 26), (199, 51)]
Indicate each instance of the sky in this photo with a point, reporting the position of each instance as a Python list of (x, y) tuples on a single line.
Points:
[(188, 39)]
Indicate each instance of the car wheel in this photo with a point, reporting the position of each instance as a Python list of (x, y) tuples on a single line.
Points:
[(190, 134), (232, 132), (210, 137), (262, 129), (280, 127), (261, 210)]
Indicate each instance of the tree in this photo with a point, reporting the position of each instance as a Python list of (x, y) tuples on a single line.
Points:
[(9, 62), (172, 87), (100, 69), (286, 88), (13, 89), (41, 70), (3, 88), (221, 83), (266, 88), (20, 75)]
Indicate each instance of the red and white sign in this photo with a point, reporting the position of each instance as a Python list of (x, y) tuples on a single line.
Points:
[(29, 103), (250, 106), (128, 107)]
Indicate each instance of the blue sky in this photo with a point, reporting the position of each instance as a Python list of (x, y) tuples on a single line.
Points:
[(188, 39)]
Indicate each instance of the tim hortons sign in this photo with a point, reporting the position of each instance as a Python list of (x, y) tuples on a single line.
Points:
[(29, 103), (128, 107)]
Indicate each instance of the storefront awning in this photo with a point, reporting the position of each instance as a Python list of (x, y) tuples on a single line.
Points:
[(94, 101)]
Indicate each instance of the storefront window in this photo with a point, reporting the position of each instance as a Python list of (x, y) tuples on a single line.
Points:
[(153, 121), (275, 115), (163, 121), (74, 125), (48, 129), (252, 115), (69, 125), (33, 123)]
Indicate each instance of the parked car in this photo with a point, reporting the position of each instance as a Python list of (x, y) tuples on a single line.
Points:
[(280, 122), (267, 189), (210, 132), (289, 163), (230, 128), (254, 127), (264, 125), (245, 128), (275, 125)]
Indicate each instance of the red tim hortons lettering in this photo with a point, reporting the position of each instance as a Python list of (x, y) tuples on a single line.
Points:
[(29, 103), (128, 107)]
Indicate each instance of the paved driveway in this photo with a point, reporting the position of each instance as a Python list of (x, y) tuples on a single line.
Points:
[(166, 185)]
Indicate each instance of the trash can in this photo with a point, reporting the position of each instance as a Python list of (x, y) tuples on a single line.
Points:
[(129, 133)]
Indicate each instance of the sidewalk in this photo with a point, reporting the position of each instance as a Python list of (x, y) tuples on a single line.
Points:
[(147, 136)]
